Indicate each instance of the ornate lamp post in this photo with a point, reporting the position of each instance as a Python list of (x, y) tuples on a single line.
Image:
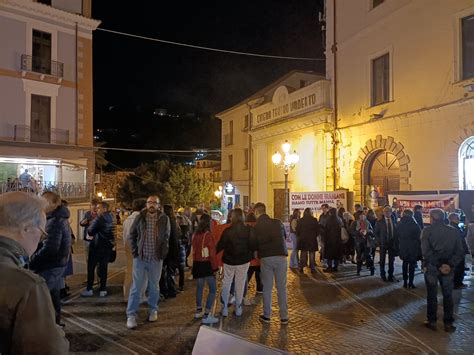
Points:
[(287, 161)]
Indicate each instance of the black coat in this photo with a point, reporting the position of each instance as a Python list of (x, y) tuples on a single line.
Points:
[(382, 237), (268, 237), (54, 250), (235, 242), (102, 229), (307, 231), (332, 239), (172, 258), (408, 232)]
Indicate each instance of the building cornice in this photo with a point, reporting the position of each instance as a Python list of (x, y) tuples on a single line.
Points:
[(51, 13), (34, 145)]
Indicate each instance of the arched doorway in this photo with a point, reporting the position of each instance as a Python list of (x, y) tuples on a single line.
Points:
[(466, 164), (382, 172)]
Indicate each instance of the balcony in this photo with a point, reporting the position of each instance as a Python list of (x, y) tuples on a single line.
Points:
[(24, 133), (67, 190), (42, 66), (228, 139)]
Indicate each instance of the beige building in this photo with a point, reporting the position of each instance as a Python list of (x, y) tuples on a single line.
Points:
[(395, 111), (46, 100), (209, 170)]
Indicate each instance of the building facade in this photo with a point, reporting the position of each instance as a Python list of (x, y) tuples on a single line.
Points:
[(394, 112), (46, 101), (209, 170)]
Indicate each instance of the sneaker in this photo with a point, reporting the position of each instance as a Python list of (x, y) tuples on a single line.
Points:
[(87, 293), (131, 322), (199, 314), (449, 328), (259, 292), (102, 293), (238, 311), (264, 319), (284, 321), (231, 301), (153, 317), (224, 311), (190, 277), (430, 325), (210, 319)]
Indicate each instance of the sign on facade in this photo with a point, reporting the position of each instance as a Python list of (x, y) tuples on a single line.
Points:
[(447, 202), (314, 200)]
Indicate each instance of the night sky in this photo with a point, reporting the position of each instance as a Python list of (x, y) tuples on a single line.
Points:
[(132, 77)]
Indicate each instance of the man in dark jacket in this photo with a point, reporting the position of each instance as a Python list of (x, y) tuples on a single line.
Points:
[(149, 237), (101, 233), (307, 231), (27, 316), (89, 216), (459, 268), (387, 239), (268, 238), (50, 259), (442, 251), (418, 215)]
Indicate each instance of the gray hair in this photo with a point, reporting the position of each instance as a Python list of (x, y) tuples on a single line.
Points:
[(437, 214), (19, 209)]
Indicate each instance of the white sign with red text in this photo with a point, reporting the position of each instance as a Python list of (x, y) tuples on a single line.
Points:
[(314, 200)]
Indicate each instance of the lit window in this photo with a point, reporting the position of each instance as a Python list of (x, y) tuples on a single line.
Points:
[(467, 24), (466, 165), (380, 80)]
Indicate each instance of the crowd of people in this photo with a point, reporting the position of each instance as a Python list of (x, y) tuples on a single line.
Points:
[(161, 243)]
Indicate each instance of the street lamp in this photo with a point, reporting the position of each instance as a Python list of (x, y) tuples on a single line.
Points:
[(287, 161), (218, 193)]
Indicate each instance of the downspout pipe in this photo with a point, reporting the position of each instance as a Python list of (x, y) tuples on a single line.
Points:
[(334, 133)]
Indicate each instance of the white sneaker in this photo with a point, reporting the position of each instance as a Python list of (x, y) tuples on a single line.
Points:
[(247, 301), (131, 322), (153, 317), (224, 311), (102, 293), (210, 319), (238, 311), (190, 277), (87, 293), (198, 314), (231, 300)]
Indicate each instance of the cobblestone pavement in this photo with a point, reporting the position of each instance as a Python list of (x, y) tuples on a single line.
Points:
[(335, 313)]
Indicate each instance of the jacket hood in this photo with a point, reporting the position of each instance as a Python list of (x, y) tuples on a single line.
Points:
[(60, 212)]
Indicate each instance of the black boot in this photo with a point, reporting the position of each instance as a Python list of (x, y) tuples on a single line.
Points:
[(405, 284)]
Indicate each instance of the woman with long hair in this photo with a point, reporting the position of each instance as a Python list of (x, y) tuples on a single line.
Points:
[(204, 267), (235, 242), (332, 241), (364, 241)]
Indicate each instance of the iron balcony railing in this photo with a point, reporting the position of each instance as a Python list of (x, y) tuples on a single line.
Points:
[(42, 66), (64, 189), (24, 133)]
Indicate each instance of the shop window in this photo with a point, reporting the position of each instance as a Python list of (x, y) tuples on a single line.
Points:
[(466, 165), (467, 24), (380, 80)]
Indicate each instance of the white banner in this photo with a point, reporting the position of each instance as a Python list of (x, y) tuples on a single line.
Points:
[(447, 202), (314, 200)]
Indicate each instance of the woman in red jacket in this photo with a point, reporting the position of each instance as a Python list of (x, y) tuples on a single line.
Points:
[(204, 267)]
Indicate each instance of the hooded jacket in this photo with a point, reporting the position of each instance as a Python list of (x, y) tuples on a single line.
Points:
[(53, 251), (102, 229), (27, 317)]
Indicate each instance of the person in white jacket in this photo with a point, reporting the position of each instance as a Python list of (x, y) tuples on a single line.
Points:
[(137, 206)]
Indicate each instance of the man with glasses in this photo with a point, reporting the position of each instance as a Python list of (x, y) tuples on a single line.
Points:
[(27, 316), (149, 238)]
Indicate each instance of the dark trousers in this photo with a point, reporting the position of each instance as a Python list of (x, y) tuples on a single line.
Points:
[(304, 256), (255, 270), (459, 274), (432, 277), (167, 283), (408, 269), (391, 260), (100, 257), (364, 254), (53, 281), (181, 275)]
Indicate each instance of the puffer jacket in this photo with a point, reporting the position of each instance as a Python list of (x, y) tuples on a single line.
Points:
[(235, 242), (54, 250), (102, 229), (27, 318)]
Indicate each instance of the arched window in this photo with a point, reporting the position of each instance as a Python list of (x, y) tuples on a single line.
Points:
[(466, 165)]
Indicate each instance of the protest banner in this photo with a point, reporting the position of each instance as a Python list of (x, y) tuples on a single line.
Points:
[(314, 200)]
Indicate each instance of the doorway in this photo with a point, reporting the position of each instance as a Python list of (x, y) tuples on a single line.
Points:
[(382, 172)]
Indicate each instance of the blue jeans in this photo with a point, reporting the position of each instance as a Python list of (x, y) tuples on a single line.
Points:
[(432, 277), (294, 259), (211, 283), (142, 269), (274, 267)]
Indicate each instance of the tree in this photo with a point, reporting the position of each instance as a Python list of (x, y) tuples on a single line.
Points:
[(175, 184), (185, 188)]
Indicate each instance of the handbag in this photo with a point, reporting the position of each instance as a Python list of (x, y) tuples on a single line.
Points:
[(344, 235), (113, 255), (204, 250)]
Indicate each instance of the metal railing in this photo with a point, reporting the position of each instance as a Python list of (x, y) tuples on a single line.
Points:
[(42, 66), (24, 133), (64, 189)]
